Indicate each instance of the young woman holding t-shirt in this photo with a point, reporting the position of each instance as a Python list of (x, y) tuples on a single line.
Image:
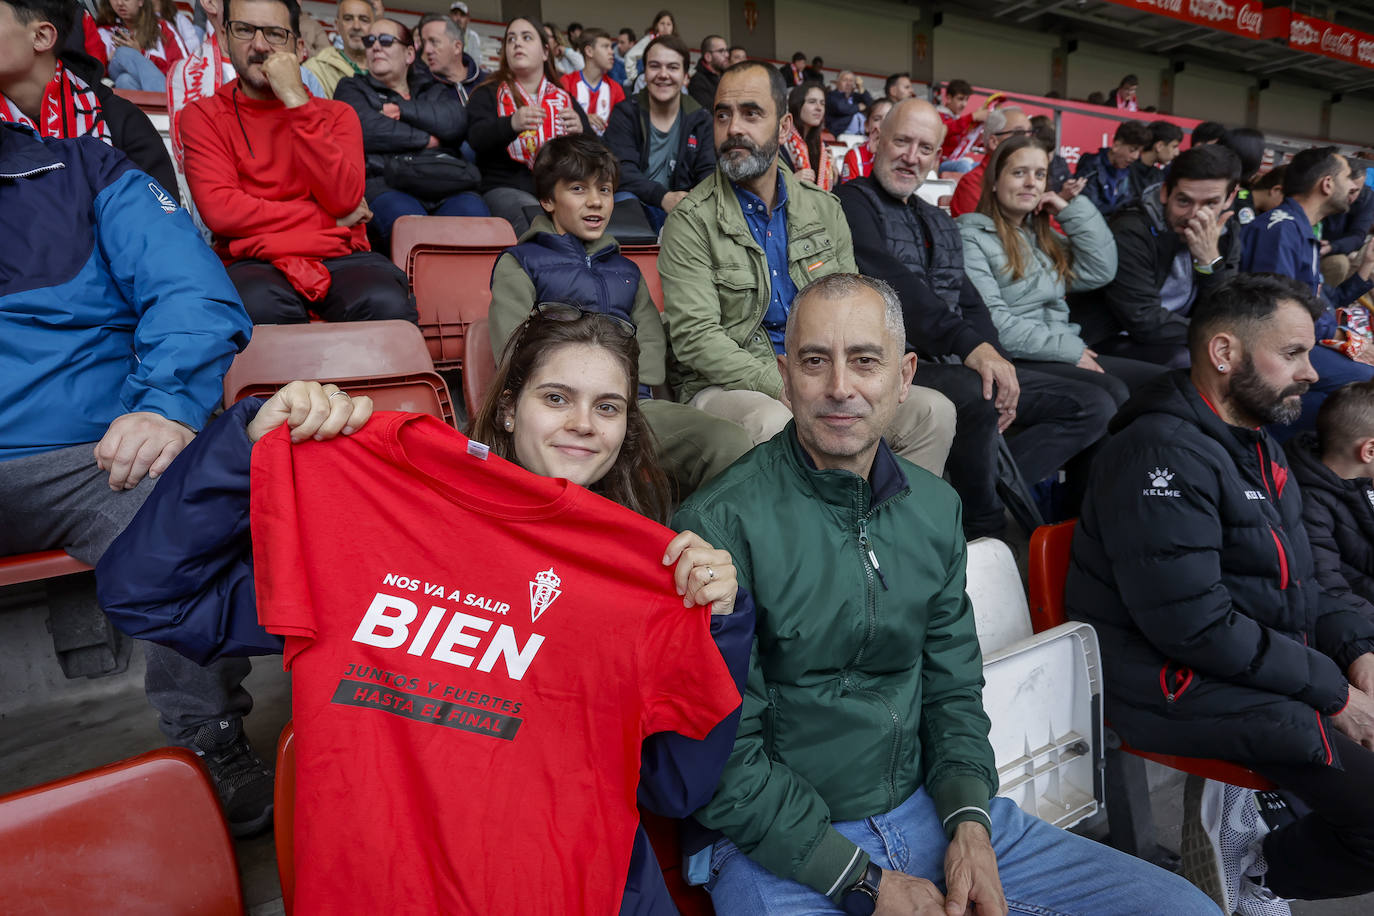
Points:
[(563, 404)]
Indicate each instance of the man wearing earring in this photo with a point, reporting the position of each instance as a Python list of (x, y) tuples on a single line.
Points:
[(1192, 562), (277, 175)]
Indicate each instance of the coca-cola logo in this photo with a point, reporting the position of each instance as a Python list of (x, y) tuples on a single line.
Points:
[(1215, 10), (1300, 33), (1169, 6), (1248, 20), (1338, 42), (1364, 51)]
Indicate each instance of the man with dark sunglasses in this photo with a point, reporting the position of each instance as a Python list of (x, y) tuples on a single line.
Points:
[(278, 176)]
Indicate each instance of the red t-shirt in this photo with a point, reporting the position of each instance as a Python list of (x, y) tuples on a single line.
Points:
[(477, 654), (598, 101), (969, 190), (858, 162)]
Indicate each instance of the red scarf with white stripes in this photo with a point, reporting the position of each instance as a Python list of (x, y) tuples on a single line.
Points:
[(801, 159), (550, 98), (70, 109), (198, 76)]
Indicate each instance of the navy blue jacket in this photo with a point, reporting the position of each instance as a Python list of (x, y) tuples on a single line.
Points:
[(1346, 231), (181, 574), (627, 134), (609, 283), (110, 301), (1282, 242), (1109, 189)]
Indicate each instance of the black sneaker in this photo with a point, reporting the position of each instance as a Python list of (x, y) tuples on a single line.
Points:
[(243, 781)]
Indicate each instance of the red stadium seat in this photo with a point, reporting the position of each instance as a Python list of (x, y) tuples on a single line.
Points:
[(646, 259), (385, 360), (283, 814), (1049, 568), (448, 260), (145, 835), (30, 567), (479, 365)]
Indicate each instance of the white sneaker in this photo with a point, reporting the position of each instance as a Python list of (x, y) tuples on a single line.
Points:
[(1222, 836), (1258, 900)]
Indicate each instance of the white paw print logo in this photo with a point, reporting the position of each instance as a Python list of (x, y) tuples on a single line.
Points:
[(1160, 477)]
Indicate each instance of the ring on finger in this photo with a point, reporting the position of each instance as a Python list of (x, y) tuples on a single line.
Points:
[(339, 394), (710, 574)]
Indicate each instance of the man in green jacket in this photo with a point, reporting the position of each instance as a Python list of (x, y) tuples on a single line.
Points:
[(734, 253), (862, 771)]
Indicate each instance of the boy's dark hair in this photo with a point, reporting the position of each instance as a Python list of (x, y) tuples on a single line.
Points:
[(629, 32), (1133, 133), (958, 87), (799, 56), (777, 86), (1204, 163), (293, 9), (61, 13), (573, 157), (590, 36), (672, 43), (1270, 179), (1311, 166), (734, 48), (1130, 79), (1240, 302), (892, 81), (1165, 132), (1345, 417), (1208, 132), (1248, 144)]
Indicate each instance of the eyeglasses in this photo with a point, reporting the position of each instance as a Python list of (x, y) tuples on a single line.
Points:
[(385, 41), (244, 31), (566, 311), (1018, 132)]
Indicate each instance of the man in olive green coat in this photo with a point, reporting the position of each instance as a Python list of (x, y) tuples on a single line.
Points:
[(733, 255), (862, 771)]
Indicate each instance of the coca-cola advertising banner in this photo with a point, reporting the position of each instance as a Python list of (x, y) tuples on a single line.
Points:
[(1240, 18), (1318, 36)]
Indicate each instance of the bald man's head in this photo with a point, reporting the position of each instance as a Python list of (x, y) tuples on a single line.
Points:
[(908, 147)]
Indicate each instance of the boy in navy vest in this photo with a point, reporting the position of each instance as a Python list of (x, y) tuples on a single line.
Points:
[(566, 256)]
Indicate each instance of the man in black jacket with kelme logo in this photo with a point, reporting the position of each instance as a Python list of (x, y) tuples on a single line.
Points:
[(1192, 562)]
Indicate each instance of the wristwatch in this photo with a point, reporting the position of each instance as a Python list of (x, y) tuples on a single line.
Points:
[(1209, 267), (861, 897)]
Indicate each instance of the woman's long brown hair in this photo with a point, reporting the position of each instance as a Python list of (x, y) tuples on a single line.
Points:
[(635, 480), (144, 29), (503, 72), (1013, 243)]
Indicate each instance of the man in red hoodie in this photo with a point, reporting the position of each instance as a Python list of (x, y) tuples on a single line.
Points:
[(277, 176)]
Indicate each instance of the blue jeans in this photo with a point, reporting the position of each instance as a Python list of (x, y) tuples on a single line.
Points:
[(131, 70), (959, 165), (1045, 871), (390, 206)]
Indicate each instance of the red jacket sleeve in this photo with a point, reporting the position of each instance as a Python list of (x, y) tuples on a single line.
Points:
[(229, 211), (966, 194), (329, 152), (955, 129), (95, 45)]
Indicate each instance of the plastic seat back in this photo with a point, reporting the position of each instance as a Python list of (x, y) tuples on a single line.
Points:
[(386, 360), (646, 259), (1049, 569), (479, 365), (30, 567), (284, 812), (999, 600), (449, 260), (145, 835)]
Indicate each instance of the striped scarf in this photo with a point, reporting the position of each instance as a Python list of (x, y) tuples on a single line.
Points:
[(70, 109), (549, 97), (801, 159)]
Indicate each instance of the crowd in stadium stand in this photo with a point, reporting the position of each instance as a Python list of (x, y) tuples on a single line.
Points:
[(1170, 341)]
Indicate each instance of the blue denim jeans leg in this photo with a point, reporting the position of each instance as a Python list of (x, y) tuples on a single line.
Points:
[(1045, 871), (131, 70)]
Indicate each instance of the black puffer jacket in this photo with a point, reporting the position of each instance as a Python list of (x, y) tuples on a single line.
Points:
[(1192, 562), (1339, 515), (627, 133), (433, 109)]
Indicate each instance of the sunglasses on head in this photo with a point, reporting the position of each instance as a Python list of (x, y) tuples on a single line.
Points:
[(386, 41), (565, 311)]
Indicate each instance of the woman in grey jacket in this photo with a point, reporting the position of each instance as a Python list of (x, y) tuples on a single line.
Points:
[(1023, 267)]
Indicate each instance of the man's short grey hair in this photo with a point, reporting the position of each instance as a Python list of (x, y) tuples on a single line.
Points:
[(997, 120), (450, 27), (843, 286)]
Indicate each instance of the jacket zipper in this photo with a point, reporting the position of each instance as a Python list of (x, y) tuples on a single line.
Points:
[(1283, 559), (869, 559), (868, 548), (1183, 679), (53, 167)]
